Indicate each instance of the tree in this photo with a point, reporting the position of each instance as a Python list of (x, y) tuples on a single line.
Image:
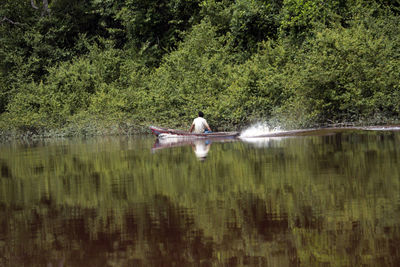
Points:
[(247, 22), (300, 17), (154, 27)]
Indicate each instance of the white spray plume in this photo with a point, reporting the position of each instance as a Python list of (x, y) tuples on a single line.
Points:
[(259, 129)]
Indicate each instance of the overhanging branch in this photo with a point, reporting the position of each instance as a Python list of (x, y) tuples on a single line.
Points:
[(9, 21)]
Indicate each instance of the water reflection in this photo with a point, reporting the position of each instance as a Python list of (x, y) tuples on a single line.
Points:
[(261, 142), (330, 200), (200, 147)]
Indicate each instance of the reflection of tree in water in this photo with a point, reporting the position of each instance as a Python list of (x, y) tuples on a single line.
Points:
[(157, 233), (154, 234), (317, 205), (266, 222), (268, 229), (171, 236), (162, 233), (5, 171)]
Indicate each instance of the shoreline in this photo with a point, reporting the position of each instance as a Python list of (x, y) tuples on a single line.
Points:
[(125, 129)]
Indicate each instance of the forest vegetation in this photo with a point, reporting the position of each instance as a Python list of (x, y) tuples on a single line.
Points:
[(101, 66)]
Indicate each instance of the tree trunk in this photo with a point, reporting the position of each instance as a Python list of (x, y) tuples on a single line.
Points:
[(33, 4), (45, 7)]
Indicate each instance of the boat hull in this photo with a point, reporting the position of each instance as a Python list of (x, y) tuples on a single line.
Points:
[(165, 133)]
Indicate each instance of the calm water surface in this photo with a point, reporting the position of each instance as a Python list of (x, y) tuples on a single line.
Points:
[(319, 200)]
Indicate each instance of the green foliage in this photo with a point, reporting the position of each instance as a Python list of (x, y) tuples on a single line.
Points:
[(154, 27), (24, 109), (69, 88), (393, 5), (349, 74), (257, 87), (33, 41), (299, 17), (252, 22), (191, 78), (300, 62), (12, 48), (247, 22)]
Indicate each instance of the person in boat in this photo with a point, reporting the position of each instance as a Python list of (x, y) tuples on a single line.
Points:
[(200, 125)]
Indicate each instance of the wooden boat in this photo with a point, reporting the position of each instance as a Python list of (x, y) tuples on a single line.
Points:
[(164, 132)]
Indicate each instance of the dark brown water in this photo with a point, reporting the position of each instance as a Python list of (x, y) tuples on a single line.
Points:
[(320, 200)]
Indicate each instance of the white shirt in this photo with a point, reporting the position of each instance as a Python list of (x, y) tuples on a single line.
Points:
[(200, 124)]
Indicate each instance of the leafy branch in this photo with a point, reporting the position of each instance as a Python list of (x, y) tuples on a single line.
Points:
[(5, 19)]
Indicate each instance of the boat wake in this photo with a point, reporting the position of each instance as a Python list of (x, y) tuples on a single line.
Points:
[(260, 130), (263, 130), (381, 128), (261, 135)]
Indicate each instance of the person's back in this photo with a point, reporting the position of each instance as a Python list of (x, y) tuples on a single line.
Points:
[(199, 124)]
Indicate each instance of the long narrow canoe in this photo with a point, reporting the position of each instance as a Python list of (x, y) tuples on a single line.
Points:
[(164, 132)]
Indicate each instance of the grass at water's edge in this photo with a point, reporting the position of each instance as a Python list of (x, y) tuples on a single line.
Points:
[(86, 130)]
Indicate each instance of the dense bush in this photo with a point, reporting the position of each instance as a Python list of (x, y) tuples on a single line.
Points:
[(348, 74), (191, 78), (72, 87), (297, 63)]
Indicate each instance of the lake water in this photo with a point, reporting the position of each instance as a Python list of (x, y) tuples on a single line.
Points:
[(327, 198)]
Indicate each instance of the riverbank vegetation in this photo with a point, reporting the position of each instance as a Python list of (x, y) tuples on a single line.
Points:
[(101, 66)]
